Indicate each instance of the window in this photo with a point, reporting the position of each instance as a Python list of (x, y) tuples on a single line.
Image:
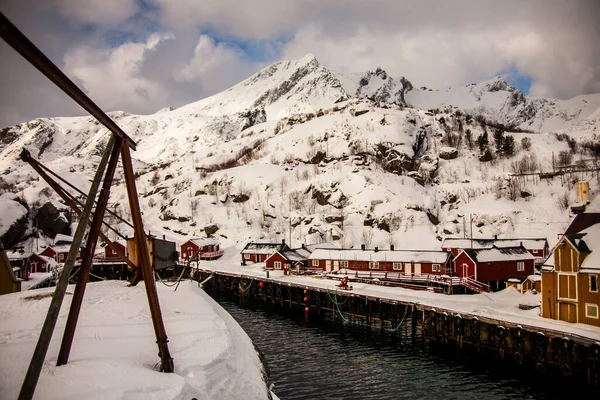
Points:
[(593, 283), (344, 264), (435, 267), (373, 265), (397, 266), (277, 264), (521, 266), (591, 310), (315, 263), (60, 257), (247, 256)]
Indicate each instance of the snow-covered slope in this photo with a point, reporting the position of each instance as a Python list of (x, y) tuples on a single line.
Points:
[(296, 151)]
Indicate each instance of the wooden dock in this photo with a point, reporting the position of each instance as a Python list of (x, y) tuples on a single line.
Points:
[(571, 356)]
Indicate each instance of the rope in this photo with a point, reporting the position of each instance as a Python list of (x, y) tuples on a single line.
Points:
[(243, 291)]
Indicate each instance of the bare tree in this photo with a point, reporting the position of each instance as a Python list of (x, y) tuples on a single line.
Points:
[(367, 237)]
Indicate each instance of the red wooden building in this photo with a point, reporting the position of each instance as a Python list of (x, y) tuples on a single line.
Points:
[(537, 247), (494, 266), (259, 252), (296, 259), (202, 248), (405, 261), (109, 253), (27, 263), (59, 253)]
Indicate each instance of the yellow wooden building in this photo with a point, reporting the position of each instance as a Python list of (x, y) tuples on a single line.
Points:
[(570, 276)]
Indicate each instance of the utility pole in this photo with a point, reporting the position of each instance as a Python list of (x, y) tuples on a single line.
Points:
[(290, 218), (471, 215)]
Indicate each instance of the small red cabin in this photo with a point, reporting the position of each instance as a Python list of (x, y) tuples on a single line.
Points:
[(59, 253), (201, 248), (109, 252), (494, 266), (259, 252), (296, 259)]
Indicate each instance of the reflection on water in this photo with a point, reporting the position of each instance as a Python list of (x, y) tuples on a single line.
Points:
[(325, 360)]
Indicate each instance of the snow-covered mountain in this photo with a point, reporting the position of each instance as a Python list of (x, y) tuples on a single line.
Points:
[(298, 151)]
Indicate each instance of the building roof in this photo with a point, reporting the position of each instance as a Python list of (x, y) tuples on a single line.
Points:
[(324, 245), (583, 221), (201, 242), (591, 236), (577, 241), (416, 256), (62, 239), (535, 278), (303, 252), (485, 243), (496, 254), (515, 279), (293, 255), (262, 248)]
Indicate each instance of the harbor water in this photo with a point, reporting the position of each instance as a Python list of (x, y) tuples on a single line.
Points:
[(316, 358)]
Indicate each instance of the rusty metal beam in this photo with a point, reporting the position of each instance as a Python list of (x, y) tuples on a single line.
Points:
[(39, 354), (71, 202), (60, 178), (18, 41), (144, 263), (86, 263)]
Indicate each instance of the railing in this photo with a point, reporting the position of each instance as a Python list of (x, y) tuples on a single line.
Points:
[(390, 277), (475, 286), (211, 254)]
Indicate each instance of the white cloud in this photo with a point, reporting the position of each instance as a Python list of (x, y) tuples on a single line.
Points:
[(212, 65), (112, 76), (98, 12)]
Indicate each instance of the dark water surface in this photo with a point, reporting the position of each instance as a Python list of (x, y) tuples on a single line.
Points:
[(312, 359)]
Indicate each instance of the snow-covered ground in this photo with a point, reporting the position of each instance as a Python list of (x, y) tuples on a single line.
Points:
[(34, 279), (501, 306), (114, 351)]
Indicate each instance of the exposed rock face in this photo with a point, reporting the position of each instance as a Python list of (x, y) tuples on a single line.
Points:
[(210, 230), (16, 232), (448, 153), (52, 221)]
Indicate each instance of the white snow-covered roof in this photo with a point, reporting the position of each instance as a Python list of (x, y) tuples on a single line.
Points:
[(293, 255), (514, 280), (592, 240), (325, 245), (200, 242), (49, 260), (500, 254), (262, 248), (62, 239), (15, 255), (528, 243), (303, 252), (418, 256), (535, 278)]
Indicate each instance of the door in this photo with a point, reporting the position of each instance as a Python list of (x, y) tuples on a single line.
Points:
[(417, 269), (336, 265), (567, 312), (465, 271), (327, 265), (408, 268)]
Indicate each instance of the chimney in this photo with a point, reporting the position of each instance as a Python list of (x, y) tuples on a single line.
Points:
[(303, 246), (376, 249), (495, 237), (164, 237), (282, 241), (362, 246), (391, 247), (521, 244)]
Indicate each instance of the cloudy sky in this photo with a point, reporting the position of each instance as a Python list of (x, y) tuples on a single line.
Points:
[(143, 55)]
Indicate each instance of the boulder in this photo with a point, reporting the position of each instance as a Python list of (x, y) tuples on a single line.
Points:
[(448, 153), (52, 221)]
